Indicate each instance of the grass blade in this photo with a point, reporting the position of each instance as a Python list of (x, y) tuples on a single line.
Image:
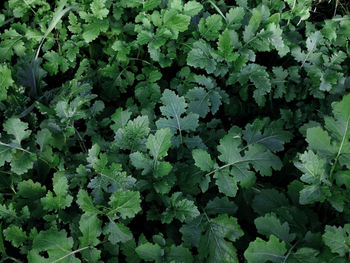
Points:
[(57, 16)]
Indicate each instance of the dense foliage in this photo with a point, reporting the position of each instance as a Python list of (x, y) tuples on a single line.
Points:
[(174, 131)]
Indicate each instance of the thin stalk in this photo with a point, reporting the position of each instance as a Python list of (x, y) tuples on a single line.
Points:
[(25, 1), (14, 260), (339, 151), (212, 230), (289, 252), (71, 253), (57, 16), (217, 9)]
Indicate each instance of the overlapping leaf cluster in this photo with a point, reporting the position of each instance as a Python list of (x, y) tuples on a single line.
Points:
[(174, 131)]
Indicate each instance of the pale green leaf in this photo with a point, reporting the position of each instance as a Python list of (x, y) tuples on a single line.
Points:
[(252, 27), (210, 27), (176, 22), (159, 143), (90, 227), (203, 160), (85, 202), (192, 8), (6, 81), (271, 225), (260, 251), (149, 252), (118, 233), (15, 235), (125, 204), (337, 239), (18, 129)]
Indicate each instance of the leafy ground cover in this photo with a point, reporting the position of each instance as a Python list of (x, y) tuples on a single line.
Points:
[(174, 131)]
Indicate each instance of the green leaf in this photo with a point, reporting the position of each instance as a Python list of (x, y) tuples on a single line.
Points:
[(132, 135), (18, 129), (15, 235), (30, 190), (151, 4), (252, 27), (300, 8), (225, 46), (221, 206), (199, 101), (128, 249), (55, 243), (339, 126), (258, 75), (173, 109), (150, 252), (118, 233), (226, 183), (263, 160), (141, 162), (91, 254), (92, 30), (257, 156), (8, 213), (307, 255), (275, 19), (176, 22), (312, 42), (311, 194), (55, 62), (43, 138), (320, 141), (229, 149), (11, 43), (6, 81), (271, 225), (329, 30), (125, 203), (179, 254), (210, 27), (313, 168), (162, 169), (61, 199), (201, 56), (158, 146), (109, 178), (75, 26), (179, 208), (207, 98), (337, 239), (192, 8), (59, 12), (273, 137), (22, 161), (331, 146), (176, 5), (213, 244), (260, 251), (203, 160), (85, 202), (5, 154), (2, 247), (159, 143), (234, 17), (120, 119), (315, 176), (90, 227), (191, 231), (98, 9), (226, 227), (267, 200)]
